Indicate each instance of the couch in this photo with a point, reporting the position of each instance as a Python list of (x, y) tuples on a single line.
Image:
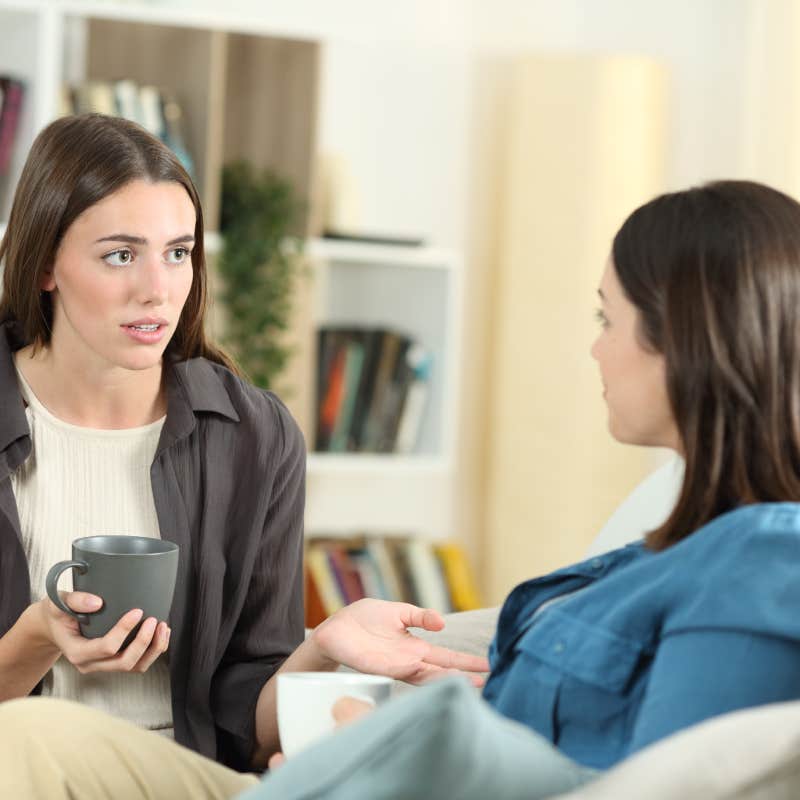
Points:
[(752, 754)]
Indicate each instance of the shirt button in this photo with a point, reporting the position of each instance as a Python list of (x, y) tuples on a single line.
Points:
[(558, 647), (597, 564)]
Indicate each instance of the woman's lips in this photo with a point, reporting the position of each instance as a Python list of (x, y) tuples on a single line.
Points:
[(146, 332)]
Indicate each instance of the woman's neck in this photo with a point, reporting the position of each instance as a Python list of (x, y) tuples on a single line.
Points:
[(112, 399)]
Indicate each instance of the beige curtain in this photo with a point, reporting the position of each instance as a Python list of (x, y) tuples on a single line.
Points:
[(585, 145)]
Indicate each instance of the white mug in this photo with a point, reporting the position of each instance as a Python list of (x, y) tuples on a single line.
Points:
[(306, 700)]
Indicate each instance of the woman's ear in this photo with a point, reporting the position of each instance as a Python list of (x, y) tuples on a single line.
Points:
[(47, 281)]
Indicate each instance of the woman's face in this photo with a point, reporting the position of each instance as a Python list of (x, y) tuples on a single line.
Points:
[(121, 276), (634, 378)]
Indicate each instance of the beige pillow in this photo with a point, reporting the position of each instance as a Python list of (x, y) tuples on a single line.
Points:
[(745, 755)]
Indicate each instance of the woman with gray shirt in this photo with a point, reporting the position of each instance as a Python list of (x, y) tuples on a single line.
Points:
[(119, 416)]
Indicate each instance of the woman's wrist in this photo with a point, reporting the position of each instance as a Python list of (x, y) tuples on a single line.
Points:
[(36, 629), (313, 655)]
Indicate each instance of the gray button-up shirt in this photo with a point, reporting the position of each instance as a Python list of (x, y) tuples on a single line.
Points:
[(228, 481)]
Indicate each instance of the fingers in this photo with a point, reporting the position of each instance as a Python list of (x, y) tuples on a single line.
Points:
[(425, 618), (453, 659), (158, 645), (109, 645), (81, 602), (429, 672), (349, 709), (127, 660)]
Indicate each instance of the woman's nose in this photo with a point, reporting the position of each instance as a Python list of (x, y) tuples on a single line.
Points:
[(152, 282)]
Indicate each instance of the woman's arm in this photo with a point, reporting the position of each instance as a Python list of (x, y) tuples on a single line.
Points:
[(26, 654), (701, 674), (370, 636), (43, 633)]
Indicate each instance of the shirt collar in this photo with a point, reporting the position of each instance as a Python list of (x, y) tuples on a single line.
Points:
[(193, 386), (13, 422)]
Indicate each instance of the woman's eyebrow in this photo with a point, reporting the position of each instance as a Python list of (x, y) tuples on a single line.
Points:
[(126, 237), (602, 296)]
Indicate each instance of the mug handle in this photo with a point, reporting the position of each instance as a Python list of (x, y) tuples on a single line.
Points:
[(51, 583)]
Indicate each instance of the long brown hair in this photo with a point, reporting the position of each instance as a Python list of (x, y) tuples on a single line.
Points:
[(74, 163), (715, 275)]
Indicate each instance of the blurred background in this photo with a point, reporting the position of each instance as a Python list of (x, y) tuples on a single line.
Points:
[(408, 208)]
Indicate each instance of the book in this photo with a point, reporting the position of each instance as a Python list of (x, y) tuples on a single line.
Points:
[(392, 347), (354, 358), (100, 97), (378, 548), (373, 345), (371, 578), (150, 106), (464, 594), (126, 94), (174, 136), (430, 587), (346, 575), (322, 574), (394, 397), (415, 395), (332, 396), (315, 611)]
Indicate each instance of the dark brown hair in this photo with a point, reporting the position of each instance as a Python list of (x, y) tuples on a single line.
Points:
[(74, 163), (715, 275)]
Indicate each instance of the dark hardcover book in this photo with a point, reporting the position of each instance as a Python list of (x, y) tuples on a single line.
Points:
[(373, 344), (392, 409), (346, 575), (325, 353), (391, 347), (397, 549), (332, 394), (354, 359)]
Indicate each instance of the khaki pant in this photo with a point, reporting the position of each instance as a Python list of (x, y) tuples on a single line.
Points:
[(60, 750)]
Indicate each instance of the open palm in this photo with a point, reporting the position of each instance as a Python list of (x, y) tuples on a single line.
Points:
[(372, 636)]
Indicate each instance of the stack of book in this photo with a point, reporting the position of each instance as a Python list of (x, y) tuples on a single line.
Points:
[(372, 385), (11, 95), (154, 108), (339, 572)]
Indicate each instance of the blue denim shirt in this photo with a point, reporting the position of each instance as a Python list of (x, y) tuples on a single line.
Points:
[(654, 642)]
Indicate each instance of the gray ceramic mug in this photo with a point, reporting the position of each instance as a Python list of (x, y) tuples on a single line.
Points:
[(127, 572)]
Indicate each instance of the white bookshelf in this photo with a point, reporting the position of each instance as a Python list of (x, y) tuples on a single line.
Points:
[(415, 290)]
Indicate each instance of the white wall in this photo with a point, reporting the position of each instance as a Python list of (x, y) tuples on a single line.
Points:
[(704, 45), (395, 117)]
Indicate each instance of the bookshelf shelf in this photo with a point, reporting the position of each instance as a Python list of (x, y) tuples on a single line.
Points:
[(378, 254), (390, 495)]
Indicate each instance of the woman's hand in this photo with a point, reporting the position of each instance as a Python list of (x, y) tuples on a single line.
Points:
[(102, 654), (372, 636)]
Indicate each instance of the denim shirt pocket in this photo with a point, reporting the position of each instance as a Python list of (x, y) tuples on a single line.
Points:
[(586, 651), (578, 676)]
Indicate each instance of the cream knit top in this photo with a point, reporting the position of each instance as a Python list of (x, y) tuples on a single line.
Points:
[(81, 482)]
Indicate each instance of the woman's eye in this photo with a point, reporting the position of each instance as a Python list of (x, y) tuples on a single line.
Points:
[(178, 255), (601, 317), (119, 258)]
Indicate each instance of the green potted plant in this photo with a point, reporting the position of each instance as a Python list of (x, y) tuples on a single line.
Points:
[(258, 264)]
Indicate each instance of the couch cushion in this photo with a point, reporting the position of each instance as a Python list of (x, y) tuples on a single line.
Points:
[(745, 755)]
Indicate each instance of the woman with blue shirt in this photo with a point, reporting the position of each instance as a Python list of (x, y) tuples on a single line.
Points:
[(699, 351)]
